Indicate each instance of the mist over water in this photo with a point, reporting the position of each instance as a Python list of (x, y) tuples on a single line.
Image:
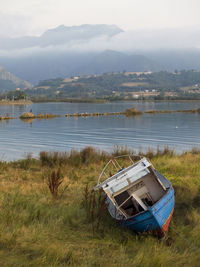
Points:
[(178, 130)]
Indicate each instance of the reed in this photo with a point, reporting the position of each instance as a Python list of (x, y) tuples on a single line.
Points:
[(53, 158)]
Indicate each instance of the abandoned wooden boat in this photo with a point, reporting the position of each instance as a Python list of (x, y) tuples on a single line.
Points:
[(139, 197)]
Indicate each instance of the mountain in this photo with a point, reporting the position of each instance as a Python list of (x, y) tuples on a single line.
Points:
[(8, 81), (95, 49), (176, 59), (62, 64), (113, 61), (61, 35)]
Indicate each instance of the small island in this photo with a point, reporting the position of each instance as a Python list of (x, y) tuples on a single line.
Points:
[(30, 115), (15, 102)]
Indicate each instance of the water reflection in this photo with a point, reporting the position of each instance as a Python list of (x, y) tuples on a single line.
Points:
[(30, 121)]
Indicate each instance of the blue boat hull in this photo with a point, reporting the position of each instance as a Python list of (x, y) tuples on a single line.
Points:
[(156, 218)]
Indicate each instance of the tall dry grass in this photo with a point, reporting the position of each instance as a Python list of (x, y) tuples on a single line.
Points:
[(76, 229)]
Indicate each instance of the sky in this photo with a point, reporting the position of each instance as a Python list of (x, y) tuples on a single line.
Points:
[(33, 17)]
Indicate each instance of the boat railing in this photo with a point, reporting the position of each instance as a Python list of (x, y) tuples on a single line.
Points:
[(114, 161)]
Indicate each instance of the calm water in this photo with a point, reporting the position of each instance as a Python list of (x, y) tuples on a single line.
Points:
[(179, 131)]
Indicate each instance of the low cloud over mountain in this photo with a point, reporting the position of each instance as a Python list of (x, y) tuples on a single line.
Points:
[(66, 51), (102, 37)]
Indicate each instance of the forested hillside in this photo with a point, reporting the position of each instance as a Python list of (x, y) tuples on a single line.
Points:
[(122, 85)]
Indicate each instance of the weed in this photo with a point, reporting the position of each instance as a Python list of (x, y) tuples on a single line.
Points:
[(55, 179), (94, 204)]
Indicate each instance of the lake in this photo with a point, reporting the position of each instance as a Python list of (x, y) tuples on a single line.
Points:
[(180, 131)]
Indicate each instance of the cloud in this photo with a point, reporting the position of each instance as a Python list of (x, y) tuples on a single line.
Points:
[(144, 40), (13, 25), (130, 41)]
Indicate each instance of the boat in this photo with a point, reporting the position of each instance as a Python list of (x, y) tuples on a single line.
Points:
[(138, 196)]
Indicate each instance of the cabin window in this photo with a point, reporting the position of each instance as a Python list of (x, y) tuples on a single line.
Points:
[(134, 200), (126, 202)]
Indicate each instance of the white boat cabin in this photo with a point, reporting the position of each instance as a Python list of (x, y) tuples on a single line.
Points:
[(133, 189)]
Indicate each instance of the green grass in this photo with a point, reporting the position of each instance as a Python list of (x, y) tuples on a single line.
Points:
[(135, 84), (38, 229)]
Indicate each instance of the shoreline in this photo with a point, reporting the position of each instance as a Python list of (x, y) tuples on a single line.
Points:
[(91, 101), (16, 102), (101, 100), (116, 150)]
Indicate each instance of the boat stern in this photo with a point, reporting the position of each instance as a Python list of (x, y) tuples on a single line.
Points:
[(163, 210)]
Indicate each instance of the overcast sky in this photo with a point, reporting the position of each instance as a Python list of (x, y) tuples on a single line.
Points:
[(32, 17)]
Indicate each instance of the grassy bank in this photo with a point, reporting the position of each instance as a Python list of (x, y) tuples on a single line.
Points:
[(44, 226), (16, 102)]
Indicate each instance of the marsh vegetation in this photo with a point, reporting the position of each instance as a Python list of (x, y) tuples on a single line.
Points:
[(30, 115), (51, 217)]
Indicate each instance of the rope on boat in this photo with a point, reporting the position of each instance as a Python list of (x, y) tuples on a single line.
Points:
[(189, 243)]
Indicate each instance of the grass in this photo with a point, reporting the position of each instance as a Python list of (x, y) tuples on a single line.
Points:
[(132, 112), (134, 84), (74, 228), (30, 115)]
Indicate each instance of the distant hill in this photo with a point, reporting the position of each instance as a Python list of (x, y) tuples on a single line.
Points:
[(8, 81), (62, 64), (176, 59), (122, 85), (113, 61)]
